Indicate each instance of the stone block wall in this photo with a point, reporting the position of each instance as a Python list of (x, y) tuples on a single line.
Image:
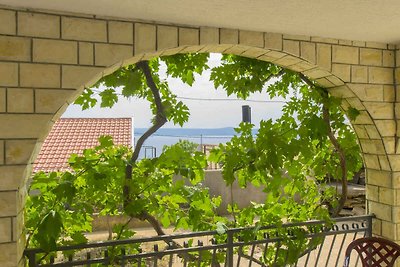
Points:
[(46, 59)]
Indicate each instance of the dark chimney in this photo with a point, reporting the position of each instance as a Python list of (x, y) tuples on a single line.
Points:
[(246, 113)]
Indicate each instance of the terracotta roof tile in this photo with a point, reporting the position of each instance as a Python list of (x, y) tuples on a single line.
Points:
[(73, 135)]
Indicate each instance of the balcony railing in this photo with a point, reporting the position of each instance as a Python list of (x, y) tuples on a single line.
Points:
[(312, 243)]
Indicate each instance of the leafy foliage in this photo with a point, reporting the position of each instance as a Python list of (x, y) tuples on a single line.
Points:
[(61, 204), (184, 66), (186, 145), (298, 142), (289, 158)]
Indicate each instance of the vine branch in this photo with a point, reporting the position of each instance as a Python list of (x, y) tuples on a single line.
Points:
[(332, 138), (342, 159), (159, 120)]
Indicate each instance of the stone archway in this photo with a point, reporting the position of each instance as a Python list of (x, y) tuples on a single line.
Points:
[(46, 59)]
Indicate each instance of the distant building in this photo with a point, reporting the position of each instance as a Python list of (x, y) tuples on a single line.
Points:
[(73, 135)]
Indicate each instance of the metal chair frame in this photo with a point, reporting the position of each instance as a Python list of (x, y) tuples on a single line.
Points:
[(373, 252)]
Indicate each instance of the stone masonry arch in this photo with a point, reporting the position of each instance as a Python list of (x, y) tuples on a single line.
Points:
[(46, 59)]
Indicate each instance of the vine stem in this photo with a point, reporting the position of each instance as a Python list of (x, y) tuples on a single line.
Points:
[(338, 149), (342, 159), (159, 120), (232, 205)]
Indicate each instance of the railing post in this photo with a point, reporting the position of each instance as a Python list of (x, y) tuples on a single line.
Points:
[(369, 228), (229, 250), (31, 258)]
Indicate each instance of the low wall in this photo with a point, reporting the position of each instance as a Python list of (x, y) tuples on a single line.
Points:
[(241, 196), (217, 187), (105, 223)]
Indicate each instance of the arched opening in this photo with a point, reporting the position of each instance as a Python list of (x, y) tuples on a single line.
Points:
[(337, 87)]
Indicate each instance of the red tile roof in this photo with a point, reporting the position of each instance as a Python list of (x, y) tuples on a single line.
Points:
[(73, 135)]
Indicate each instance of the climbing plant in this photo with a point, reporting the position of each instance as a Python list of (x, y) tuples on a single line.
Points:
[(289, 159)]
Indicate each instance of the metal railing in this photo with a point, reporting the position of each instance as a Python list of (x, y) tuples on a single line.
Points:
[(312, 243)]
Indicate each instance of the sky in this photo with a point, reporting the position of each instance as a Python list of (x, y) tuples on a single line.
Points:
[(207, 113)]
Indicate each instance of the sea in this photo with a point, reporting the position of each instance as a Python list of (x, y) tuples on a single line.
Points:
[(153, 146)]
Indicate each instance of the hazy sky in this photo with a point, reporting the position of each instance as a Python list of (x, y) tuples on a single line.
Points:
[(203, 113)]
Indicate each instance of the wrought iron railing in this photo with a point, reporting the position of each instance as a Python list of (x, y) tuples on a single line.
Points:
[(312, 243)]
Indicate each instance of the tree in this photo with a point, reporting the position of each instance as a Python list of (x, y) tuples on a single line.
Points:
[(312, 131), (186, 145), (310, 140)]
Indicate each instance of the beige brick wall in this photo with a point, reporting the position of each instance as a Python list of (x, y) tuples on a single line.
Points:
[(86, 53), (20, 100), (15, 48), (108, 54), (167, 37), (8, 254), (38, 25), (47, 59), (120, 32), (83, 29), (39, 75), (8, 74), (145, 38), (55, 51)]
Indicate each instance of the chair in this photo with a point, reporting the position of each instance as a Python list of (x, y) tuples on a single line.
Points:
[(373, 252)]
